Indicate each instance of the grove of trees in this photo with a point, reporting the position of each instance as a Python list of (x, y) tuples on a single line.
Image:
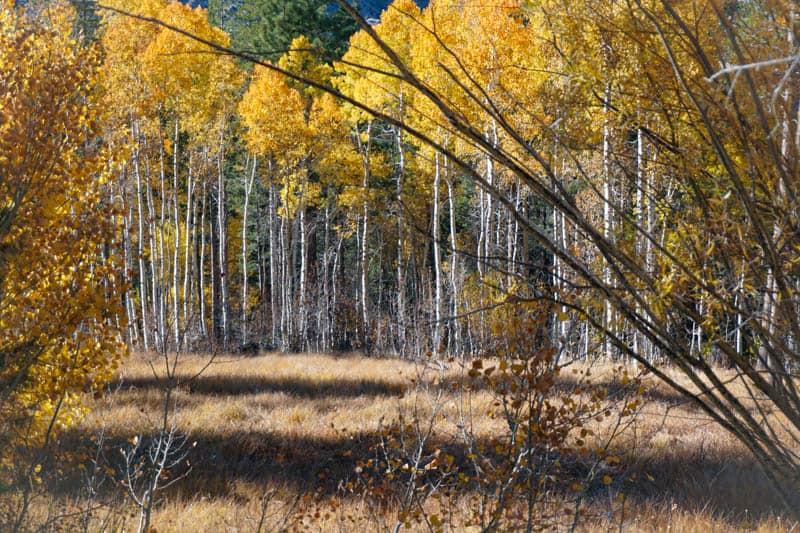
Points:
[(633, 163)]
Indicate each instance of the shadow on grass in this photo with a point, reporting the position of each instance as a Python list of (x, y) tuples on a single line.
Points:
[(343, 387), (733, 486), (294, 386), (727, 485), (716, 482), (611, 385), (614, 388), (219, 462)]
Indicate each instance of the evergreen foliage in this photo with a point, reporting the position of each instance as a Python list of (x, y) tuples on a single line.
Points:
[(265, 28)]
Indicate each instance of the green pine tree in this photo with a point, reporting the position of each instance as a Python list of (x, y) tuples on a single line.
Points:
[(267, 27)]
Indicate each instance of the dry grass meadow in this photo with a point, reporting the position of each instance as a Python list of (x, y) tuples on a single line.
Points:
[(277, 442)]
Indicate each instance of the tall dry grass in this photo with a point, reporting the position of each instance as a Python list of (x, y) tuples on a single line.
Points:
[(274, 441)]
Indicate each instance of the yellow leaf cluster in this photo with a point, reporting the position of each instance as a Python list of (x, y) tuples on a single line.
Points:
[(59, 314)]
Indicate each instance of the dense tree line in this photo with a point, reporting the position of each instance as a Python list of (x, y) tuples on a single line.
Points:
[(284, 218), (298, 223)]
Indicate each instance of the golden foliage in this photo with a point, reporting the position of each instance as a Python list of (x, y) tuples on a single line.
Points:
[(59, 309)]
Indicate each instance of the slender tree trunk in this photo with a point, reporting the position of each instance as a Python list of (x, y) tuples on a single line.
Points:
[(364, 149), (162, 257), (639, 216), (248, 187), (649, 259), (401, 281), (273, 257), (437, 260), (140, 242), (301, 297), (187, 256), (176, 247), (481, 233), (213, 265), (455, 336), (287, 274), (323, 307), (607, 224), (559, 237), (201, 267), (222, 227), (126, 210), (152, 231)]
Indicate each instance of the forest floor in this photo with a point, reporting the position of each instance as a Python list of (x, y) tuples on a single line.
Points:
[(281, 441)]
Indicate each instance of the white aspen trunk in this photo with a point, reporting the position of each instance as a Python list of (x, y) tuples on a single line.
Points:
[(286, 277), (133, 320), (455, 337), (152, 231), (223, 242), (365, 272), (126, 212), (487, 229), (585, 340), (364, 149), (775, 366), (213, 277), (492, 240), (176, 247), (772, 297), (162, 266), (497, 247), (648, 245), (437, 260), (301, 300), (481, 233), (607, 225), (401, 281), (193, 264), (284, 283), (248, 187), (639, 215), (564, 244), (187, 256), (140, 243), (639, 208), (511, 236), (201, 267), (273, 256), (486, 237), (334, 334), (558, 284), (323, 307), (261, 261)]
